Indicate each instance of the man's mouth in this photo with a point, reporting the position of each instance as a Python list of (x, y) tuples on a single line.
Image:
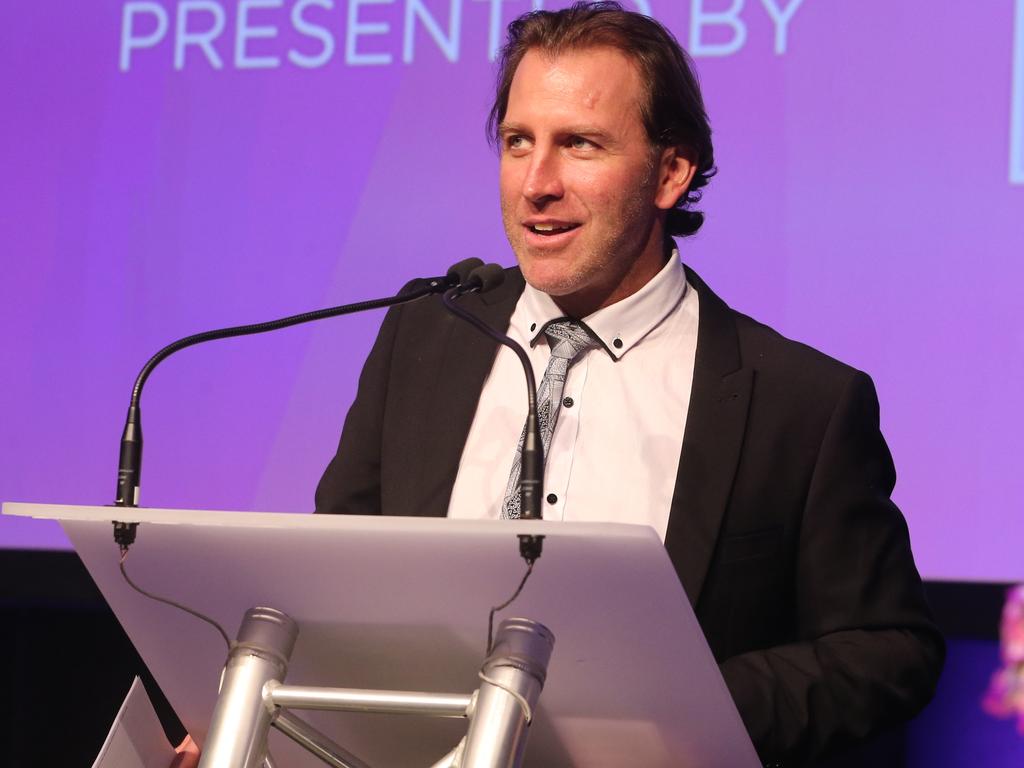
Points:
[(550, 229)]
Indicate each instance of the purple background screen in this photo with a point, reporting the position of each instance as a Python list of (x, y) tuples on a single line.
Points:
[(173, 166)]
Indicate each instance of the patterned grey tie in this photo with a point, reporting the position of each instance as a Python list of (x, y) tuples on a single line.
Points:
[(567, 340)]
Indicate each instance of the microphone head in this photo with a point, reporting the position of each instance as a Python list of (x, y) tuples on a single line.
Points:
[(485, 278), (459, 272)]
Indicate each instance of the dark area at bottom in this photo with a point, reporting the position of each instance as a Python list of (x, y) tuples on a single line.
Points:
[(69, 666)]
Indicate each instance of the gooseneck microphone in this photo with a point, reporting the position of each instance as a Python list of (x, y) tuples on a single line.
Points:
[(129, 470), (531, 479)]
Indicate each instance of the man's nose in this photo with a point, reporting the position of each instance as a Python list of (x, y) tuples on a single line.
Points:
[(543, 181)]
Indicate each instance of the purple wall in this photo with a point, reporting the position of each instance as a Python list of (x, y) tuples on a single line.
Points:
[(870, 202)]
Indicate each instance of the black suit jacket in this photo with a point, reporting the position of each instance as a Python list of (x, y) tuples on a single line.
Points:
[(781, 530)]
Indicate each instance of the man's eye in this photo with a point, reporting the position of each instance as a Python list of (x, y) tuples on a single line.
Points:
[(578, 142), (516, 142)]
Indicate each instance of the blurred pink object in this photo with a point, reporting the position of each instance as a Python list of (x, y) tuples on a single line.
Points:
[(1005, 696)]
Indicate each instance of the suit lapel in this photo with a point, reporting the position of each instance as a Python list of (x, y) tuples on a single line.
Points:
[(715, 426), (465, 358)]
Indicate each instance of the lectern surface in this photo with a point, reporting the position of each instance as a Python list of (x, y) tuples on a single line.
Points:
[(402, 603)]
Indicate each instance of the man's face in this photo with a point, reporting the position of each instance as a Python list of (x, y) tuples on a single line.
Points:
[(583, 193)]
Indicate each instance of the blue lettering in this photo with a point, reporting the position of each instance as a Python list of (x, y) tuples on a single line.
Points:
[(129, 40), (183, 38), (357, 28), (311, 30), (730, 17), (414, 9)]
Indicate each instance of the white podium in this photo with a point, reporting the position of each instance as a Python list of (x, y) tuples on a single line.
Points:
[(402, 604)]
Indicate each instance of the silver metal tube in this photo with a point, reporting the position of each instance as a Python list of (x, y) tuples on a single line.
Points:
[(451, 760), (359, 700), (308, 737), (238, 732), (513, 676)]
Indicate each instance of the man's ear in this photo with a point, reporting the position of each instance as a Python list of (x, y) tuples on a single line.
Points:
[(676, 169)]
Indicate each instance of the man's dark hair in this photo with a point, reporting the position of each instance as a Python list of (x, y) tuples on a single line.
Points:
[(673, 111)]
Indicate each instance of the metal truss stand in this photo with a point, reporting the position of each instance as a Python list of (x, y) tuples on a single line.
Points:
[(253, 698)]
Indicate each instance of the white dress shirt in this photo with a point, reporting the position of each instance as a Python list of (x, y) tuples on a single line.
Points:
[(619, 433)]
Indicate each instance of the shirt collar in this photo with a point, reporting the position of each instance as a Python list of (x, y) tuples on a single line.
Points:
[(620, 326)]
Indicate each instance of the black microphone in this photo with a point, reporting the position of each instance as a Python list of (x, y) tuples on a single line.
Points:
[(129, 470), (481, 279), (531, 477), (457, 274)]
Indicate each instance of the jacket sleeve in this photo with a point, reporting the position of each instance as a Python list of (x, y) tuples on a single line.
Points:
[(351, 484), (867, 654)]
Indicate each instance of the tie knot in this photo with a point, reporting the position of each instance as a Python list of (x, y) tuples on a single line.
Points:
[(567, 339)]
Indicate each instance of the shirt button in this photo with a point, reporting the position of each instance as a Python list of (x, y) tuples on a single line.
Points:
[(617, 343), (552, 498), (533, 326), (568, 402)]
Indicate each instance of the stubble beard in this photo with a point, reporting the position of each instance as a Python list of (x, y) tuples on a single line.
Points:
[(599, 264)]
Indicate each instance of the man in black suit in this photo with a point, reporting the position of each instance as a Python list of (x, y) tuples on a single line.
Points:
[(778, 519)]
